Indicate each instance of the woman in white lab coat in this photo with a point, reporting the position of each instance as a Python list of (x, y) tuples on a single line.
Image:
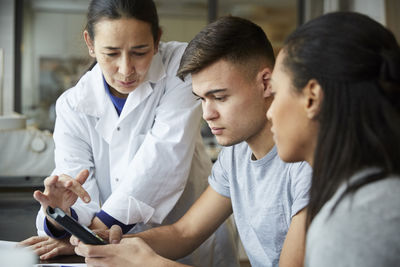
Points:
[(136, 128)]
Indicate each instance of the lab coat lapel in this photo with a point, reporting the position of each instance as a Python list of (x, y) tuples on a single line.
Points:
[(94, 101), (135, 98), (91, 98), (107, 122)]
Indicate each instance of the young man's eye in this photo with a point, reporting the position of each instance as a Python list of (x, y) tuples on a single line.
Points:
[(111, 54), (220, 98)]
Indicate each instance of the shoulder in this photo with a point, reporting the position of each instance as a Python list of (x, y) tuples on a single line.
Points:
[(231, 156), (85, 93), (172, 49), (294, 171), (171, 53), (377, 197), (369, 217), (238, 153), (381, 197), (377, 200), (69, 99), (301, 168), (239, 148), (300, 174)]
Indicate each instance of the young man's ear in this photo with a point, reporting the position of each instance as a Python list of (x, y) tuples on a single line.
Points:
[(313, 98), (265, 75), (89, 43)]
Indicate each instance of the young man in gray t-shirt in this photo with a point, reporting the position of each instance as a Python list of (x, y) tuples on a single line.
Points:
[(265, 194), (231, 62)]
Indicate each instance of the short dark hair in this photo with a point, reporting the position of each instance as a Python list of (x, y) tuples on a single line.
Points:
[(234, 39), (356, 61), (144, 10)]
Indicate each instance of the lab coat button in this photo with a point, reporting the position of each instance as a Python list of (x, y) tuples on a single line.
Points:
[(118, 128), (116, 180)]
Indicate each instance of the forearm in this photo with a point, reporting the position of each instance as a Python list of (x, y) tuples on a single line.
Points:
[(181, 238), (170, 241), (163, 262), (97, 224), (293, 251)]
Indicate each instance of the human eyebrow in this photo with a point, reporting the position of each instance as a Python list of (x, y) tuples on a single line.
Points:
[(111, 48), (211, 92), (132, 47), (140, 46)]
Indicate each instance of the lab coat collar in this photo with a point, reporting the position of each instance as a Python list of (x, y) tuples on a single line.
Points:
[(93, 99), (157, 70), (92, 96)]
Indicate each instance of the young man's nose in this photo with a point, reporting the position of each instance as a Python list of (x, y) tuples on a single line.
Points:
[(209, 111)]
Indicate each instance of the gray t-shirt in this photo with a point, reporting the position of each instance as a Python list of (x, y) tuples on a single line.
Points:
[(265, 195), (363, 230)]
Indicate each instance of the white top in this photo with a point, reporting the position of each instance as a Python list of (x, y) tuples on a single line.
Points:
[(140, 161)]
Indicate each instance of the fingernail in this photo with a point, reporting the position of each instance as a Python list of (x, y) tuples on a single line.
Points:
[(114, 241), (87, 199)]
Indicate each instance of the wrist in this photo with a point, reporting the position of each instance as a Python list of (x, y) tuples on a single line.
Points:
[(160, 261), (97, 224), (54, 230), (109, 221), (54, 224)]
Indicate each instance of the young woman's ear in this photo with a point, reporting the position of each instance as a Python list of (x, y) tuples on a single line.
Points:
[(89, 43), (313, 98)]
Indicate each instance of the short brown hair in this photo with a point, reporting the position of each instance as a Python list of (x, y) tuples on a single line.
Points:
[(234, 39)]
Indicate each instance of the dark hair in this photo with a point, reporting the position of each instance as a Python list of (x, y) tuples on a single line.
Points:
[(230, 38), (144, 10), (357, 63)]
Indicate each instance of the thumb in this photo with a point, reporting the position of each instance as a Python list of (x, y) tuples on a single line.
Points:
[(82, 176), (115, 234), (74, 240), (40, 197)]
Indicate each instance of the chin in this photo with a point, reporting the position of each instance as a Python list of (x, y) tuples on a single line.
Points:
[(226, 141), (125, 89), (286, 156)]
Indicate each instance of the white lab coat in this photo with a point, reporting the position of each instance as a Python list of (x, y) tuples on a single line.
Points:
[(142, 161)]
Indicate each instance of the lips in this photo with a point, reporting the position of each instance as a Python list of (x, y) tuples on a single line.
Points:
[(128, 83), (217, 130)]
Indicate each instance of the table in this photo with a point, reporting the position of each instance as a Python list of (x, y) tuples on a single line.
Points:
[(64, 259), (10, 255)]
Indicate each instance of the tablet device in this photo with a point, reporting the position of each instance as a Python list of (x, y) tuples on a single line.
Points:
[(73, 227)]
